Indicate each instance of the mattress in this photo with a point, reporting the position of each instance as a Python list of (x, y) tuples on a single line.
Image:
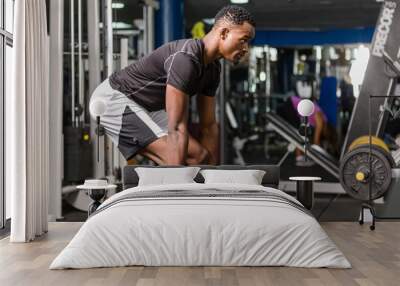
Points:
[(201, 225)]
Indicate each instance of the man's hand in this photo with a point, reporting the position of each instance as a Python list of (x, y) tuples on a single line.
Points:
[(177, 139), (208, 127)]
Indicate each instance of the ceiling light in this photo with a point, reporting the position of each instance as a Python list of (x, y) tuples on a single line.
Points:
[(263, 76), (358, 68), (239, 1), (117, 5), (273, 54), (209, 21), (318, 52), (121, 25), (118, 25)]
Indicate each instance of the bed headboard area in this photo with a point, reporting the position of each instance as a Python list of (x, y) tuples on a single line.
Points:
[(130, 178)]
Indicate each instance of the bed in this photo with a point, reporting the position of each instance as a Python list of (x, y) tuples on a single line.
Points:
[(197, 224)]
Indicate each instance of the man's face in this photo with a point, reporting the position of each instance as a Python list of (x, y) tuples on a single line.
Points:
[(234, 41)]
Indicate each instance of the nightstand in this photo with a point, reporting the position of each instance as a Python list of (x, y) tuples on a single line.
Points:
[(96, 189), (304, 190)]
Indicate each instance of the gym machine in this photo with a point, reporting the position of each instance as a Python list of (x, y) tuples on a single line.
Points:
[(82, 64), (239, 140), (366, 164), (69, 132)]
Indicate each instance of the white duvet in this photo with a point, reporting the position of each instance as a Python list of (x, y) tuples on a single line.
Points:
[(200, 231)]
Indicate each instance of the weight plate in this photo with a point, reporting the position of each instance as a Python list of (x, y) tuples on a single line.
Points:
[(364, 140), (380, 175)]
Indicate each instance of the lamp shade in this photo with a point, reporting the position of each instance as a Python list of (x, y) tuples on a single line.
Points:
[(305, 107)]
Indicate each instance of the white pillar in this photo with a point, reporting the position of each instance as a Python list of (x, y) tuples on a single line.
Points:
[(94, 80), (56, 108)]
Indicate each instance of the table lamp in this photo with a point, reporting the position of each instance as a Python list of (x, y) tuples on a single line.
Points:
[(305, 108), (97, 108)]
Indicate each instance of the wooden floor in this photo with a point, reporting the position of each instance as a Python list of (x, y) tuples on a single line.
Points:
[(375, 257)]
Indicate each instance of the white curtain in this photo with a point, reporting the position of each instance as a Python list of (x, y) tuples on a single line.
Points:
[(27, 130)]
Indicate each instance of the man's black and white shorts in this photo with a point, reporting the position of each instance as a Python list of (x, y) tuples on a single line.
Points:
[(130, 126)]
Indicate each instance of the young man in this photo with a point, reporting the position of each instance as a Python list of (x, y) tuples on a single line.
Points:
[(147, 102)]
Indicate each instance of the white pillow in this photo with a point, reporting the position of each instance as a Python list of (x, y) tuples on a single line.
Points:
[(248, 177), (163, 176)]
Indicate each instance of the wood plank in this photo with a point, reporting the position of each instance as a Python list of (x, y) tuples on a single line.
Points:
[(375, 257)]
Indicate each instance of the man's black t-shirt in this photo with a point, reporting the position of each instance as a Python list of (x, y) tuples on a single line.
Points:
[(179, 63)]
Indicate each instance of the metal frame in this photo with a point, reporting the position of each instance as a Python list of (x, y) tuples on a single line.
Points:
[(111, 148), (6, 39), (56, 24), (2, 89), (222, 112), (81, 81), (369, 204), (148, 20), (93, 19), (376, 81), (77, 87), (72, 44)]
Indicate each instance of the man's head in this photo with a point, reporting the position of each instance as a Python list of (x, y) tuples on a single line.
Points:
[(235, 27)]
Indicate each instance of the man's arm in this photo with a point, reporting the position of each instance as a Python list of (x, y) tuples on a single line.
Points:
[(177, 139), (209, 131)]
